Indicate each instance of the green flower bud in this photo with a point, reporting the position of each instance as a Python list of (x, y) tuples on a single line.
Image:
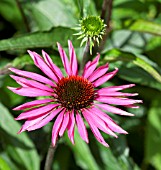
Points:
[(91, 28)]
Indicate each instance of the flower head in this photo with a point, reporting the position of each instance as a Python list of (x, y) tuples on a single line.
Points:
[(71, 99), (91, 28)]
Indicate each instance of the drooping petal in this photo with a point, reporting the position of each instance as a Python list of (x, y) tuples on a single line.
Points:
[(37, 111), (56, 127), (64, 59), (33, 104), (64, 124), (91, 67), (22, 84), (117, 100), (53, 67), (115, 88), (98, 73), (70, 126), (31, 83), (95, 130), (81, 127), (29, 91), (98, 122), (73, 59), (45, 120), (43, 66), (33, 76), (108, 120), (31, 121), (113, 109), (113, 93), (104, 78)]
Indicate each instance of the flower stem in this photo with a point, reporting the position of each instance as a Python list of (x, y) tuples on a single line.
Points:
[(86, 56), (49, 157), (5, 69), (23, 16), (106, 15)]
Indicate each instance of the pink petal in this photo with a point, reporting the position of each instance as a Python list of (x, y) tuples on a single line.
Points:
[(104, 78), (52, 66), (91, 67), (73, 59), (87, 65), (45, 120), (115, 88), (42, 65), (113, 109), (117, 100), (70, 126), (56, 128), (98, 122), (29, 91), (34, 76), (113, 93), (30, 122), (33, 104), (37, 111), (95, 131), (64, 124), (98, 72), (31, 83), (108, 120), (22, 84), (64, 59), (81, 127)]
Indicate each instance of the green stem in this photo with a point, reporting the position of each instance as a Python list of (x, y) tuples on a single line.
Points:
[(86, 56), (50, 157), (106, 15), (80, 6), (5, 69), (23, 16)]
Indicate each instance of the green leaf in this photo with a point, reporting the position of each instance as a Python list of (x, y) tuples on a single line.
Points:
[(19, 147), (8, 160), (138, 60), (144, 26), (10, 11), (8, 98), (39, 39), (3, 164), (22, 61), (154, 42), (82, 153), (52, 13), (153, 134), (117, 156), (89, 8), (108, 158), (153, 49), (128, 40)]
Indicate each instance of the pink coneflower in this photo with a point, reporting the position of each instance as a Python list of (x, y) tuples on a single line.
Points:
[(72, 99)]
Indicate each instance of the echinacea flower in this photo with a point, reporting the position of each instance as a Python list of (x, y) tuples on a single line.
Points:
[(72, 99)]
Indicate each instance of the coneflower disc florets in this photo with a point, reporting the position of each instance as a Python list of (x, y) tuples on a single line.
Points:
[(75, 92)]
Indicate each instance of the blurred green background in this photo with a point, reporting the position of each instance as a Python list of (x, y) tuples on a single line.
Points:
[(133, 45)]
